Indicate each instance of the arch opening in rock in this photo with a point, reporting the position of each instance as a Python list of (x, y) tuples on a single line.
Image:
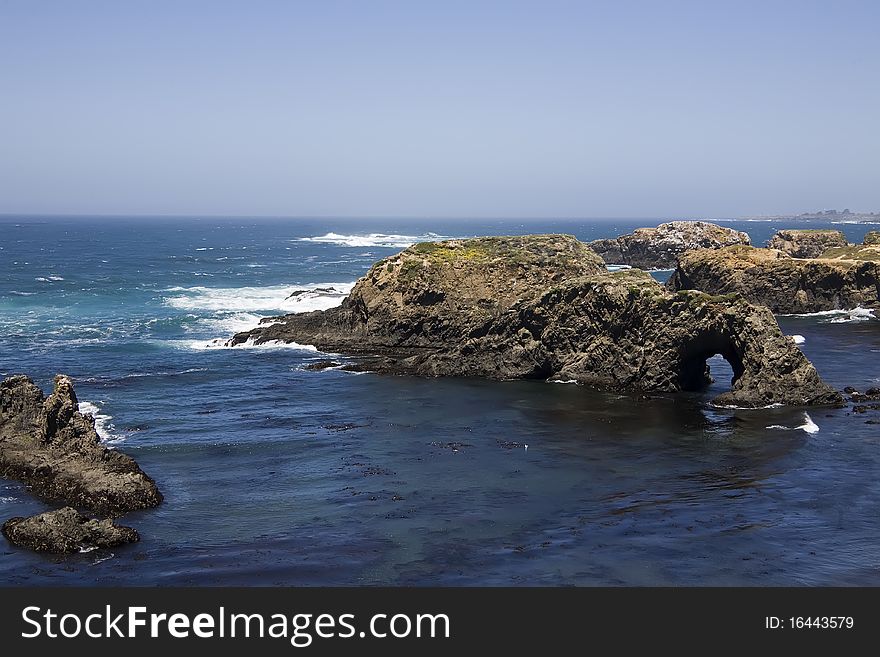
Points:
[(695, 374)]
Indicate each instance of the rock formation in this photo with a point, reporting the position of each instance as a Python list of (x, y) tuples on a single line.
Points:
[(52, 447), (844, 278), (660, 247), (66, 530), (872, 238), (541, 307), (806, 243)]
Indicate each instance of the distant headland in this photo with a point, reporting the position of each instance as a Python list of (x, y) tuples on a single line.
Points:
[(845, 215)]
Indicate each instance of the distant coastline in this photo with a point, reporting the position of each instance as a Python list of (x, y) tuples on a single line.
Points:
[(833, 216)]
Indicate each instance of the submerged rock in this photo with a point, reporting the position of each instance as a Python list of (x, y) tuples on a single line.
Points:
[(52, 447), (783, 284), (66, 530), (660, 247), (541, 307), (806, 243)]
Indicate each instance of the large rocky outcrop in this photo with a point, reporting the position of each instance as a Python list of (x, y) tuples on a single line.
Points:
[(52, 447), (66, 530), (660, 247), (844, 278), (806, 243), (535, 307)]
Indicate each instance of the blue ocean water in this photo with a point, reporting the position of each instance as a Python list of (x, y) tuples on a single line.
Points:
[(277, 475)]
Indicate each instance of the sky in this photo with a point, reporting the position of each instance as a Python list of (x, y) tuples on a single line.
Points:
[(439, 109)]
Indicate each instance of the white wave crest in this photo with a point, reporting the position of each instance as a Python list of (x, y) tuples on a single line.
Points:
[(372, 239), (223, 343), (809, 426), (617, 267), (798, 339), (103, 422), (274, 298), (857, 314)]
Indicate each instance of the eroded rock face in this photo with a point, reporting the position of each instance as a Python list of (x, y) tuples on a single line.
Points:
[(660, 247), (619, 331), (806, 243), (52, 447), (66, 530), (438, 291), (785, 285)]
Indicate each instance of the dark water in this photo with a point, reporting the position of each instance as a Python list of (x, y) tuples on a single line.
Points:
[(276, 475)]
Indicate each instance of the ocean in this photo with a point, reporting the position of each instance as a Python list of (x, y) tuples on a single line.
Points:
[(275, 475)]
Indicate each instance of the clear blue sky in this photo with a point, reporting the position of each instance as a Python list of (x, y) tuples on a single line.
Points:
[(446, 108)]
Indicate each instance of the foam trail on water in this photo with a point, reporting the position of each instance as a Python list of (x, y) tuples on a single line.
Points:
[(857, 314), (798, 339), (809, 426)]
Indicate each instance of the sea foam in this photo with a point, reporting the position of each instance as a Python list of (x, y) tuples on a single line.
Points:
[(274, 298), (857, 314), (809, 426), (373, 239), (103, 422)]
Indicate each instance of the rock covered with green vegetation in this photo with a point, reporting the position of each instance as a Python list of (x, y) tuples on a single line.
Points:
[(806, 243), (660, 247), (843, 278), (543, 307)]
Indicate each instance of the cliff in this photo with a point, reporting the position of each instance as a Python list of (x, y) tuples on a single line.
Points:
[(843, 278)]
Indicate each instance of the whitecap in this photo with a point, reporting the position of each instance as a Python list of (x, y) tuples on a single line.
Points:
[(561, 381), (383, 240), (857, 314), (809, 426), (798, 339), (274, 298), (103, 422), (223, 343), (746, 408), (617, 267)]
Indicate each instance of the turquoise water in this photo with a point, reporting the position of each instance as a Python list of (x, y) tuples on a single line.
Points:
[(277, 475)]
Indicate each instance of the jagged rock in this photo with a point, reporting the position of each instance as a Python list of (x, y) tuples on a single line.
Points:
[(783, 284), (66, 530), (806, 243), (872, 238), (539, 309), (321, 365), (660, 247), (52, 447)]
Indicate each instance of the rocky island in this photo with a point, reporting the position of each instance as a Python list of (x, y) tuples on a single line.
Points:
[(660, 247), (49, 445), (806, 243), (841, 278), (543, 307)]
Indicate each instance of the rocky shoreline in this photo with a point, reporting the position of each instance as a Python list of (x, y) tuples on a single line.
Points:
[(542, 307), (54, 449), (842, 278)]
